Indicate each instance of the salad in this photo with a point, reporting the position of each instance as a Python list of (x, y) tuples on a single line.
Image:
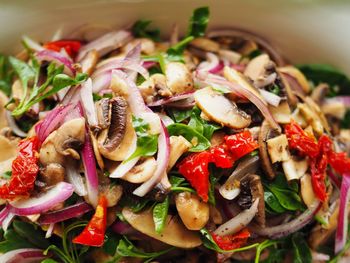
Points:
[(210, 147)]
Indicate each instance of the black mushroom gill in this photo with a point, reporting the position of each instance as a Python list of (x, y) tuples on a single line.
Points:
[(112, 115)]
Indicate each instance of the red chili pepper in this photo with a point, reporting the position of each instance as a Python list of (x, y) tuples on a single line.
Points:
[(298, 139), (195, 169), (241, 144), (234, 241), (24, 170), (221, 156), (94, 233), (340, 162), (71, 46)]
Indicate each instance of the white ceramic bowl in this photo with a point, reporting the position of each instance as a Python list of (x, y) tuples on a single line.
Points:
[(305, 31)]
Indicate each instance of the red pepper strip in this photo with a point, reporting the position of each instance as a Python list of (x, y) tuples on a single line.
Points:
[(298, 139), (94, 233), (195, 169), (234, 241), (241, 144), (340, 162), (221, 157), (24, 170), (71, 46)]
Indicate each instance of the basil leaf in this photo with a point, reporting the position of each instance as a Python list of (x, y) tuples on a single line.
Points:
[(319, 73), (140, 29), (302, 252), (32, 233), (13, 241), (199, 22), (127, 249), (160, 213), (198, 140), (179, 115), (6, 75)]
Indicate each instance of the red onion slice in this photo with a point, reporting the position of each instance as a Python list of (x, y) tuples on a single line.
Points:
[(174, 98), (211, 64), (162, 163), (149, 64), (3, 214), (270, 97), (45, 201), (290, 227), (238, 222), (240, 91), (89, 163), (49, 231), (23, 255), (88, 102), (13, 125), (58, 58), (65, 213), (7, 221), (342, 227), (101, 82), (73, 177), (106, 43)]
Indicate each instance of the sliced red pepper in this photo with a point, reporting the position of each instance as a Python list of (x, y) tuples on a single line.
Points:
[(195, 169), (241, 144), (221, 156), (24, 170), (299, 140), (340, 162), (71, 46), (234, 241), (94, 233)]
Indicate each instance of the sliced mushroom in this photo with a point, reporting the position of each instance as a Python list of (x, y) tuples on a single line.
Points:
[(141, 172), (215, 215), (257, 192), (277, 148), (193, 212), (52, 174), (298, 76), (113, 116), (282, 113), (119, 86), (88, 63), (8, 153), (205, 44), (113, 193), (335, 109), (148, 90), (178, 146), (311, 117), (174, 232), (160, 85), (229, 55), (264, 135), (319, 93), (147, 46), (178, 78), (306, 190), (256, 68), (48, 153), (97, 153), (70, 137), (3, 102), (220, 109)]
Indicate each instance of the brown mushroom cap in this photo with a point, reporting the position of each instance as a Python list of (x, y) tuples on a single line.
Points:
[(257, 191)]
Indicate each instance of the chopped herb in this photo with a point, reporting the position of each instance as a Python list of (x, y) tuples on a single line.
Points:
[(141, 29), (275, 89)]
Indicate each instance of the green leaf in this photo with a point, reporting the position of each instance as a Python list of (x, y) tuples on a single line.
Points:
[(272, 202), (6, 75), (136, 205), (146, 146), (302, 252), (209, 243), (179, 184), (261, 247), (199, 142), (201, 126), (111, 243), (13, 241), (127, 249), (141, 29), (7, 175), (319, 73), (211, 193), (175, 53), (160, 213), (179, 115), (32, 233), (199, 22)]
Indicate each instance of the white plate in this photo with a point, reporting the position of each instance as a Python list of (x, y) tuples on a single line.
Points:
[(307, 31)]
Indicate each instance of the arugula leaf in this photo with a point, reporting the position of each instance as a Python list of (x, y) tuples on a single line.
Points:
[(302, 252), (200, 142), (147, 144), (127, 249), (139, 29), (6, 75), (319, 73), (209, 243), (160, 213), (179, 115), (199, 22), (201, 126)]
